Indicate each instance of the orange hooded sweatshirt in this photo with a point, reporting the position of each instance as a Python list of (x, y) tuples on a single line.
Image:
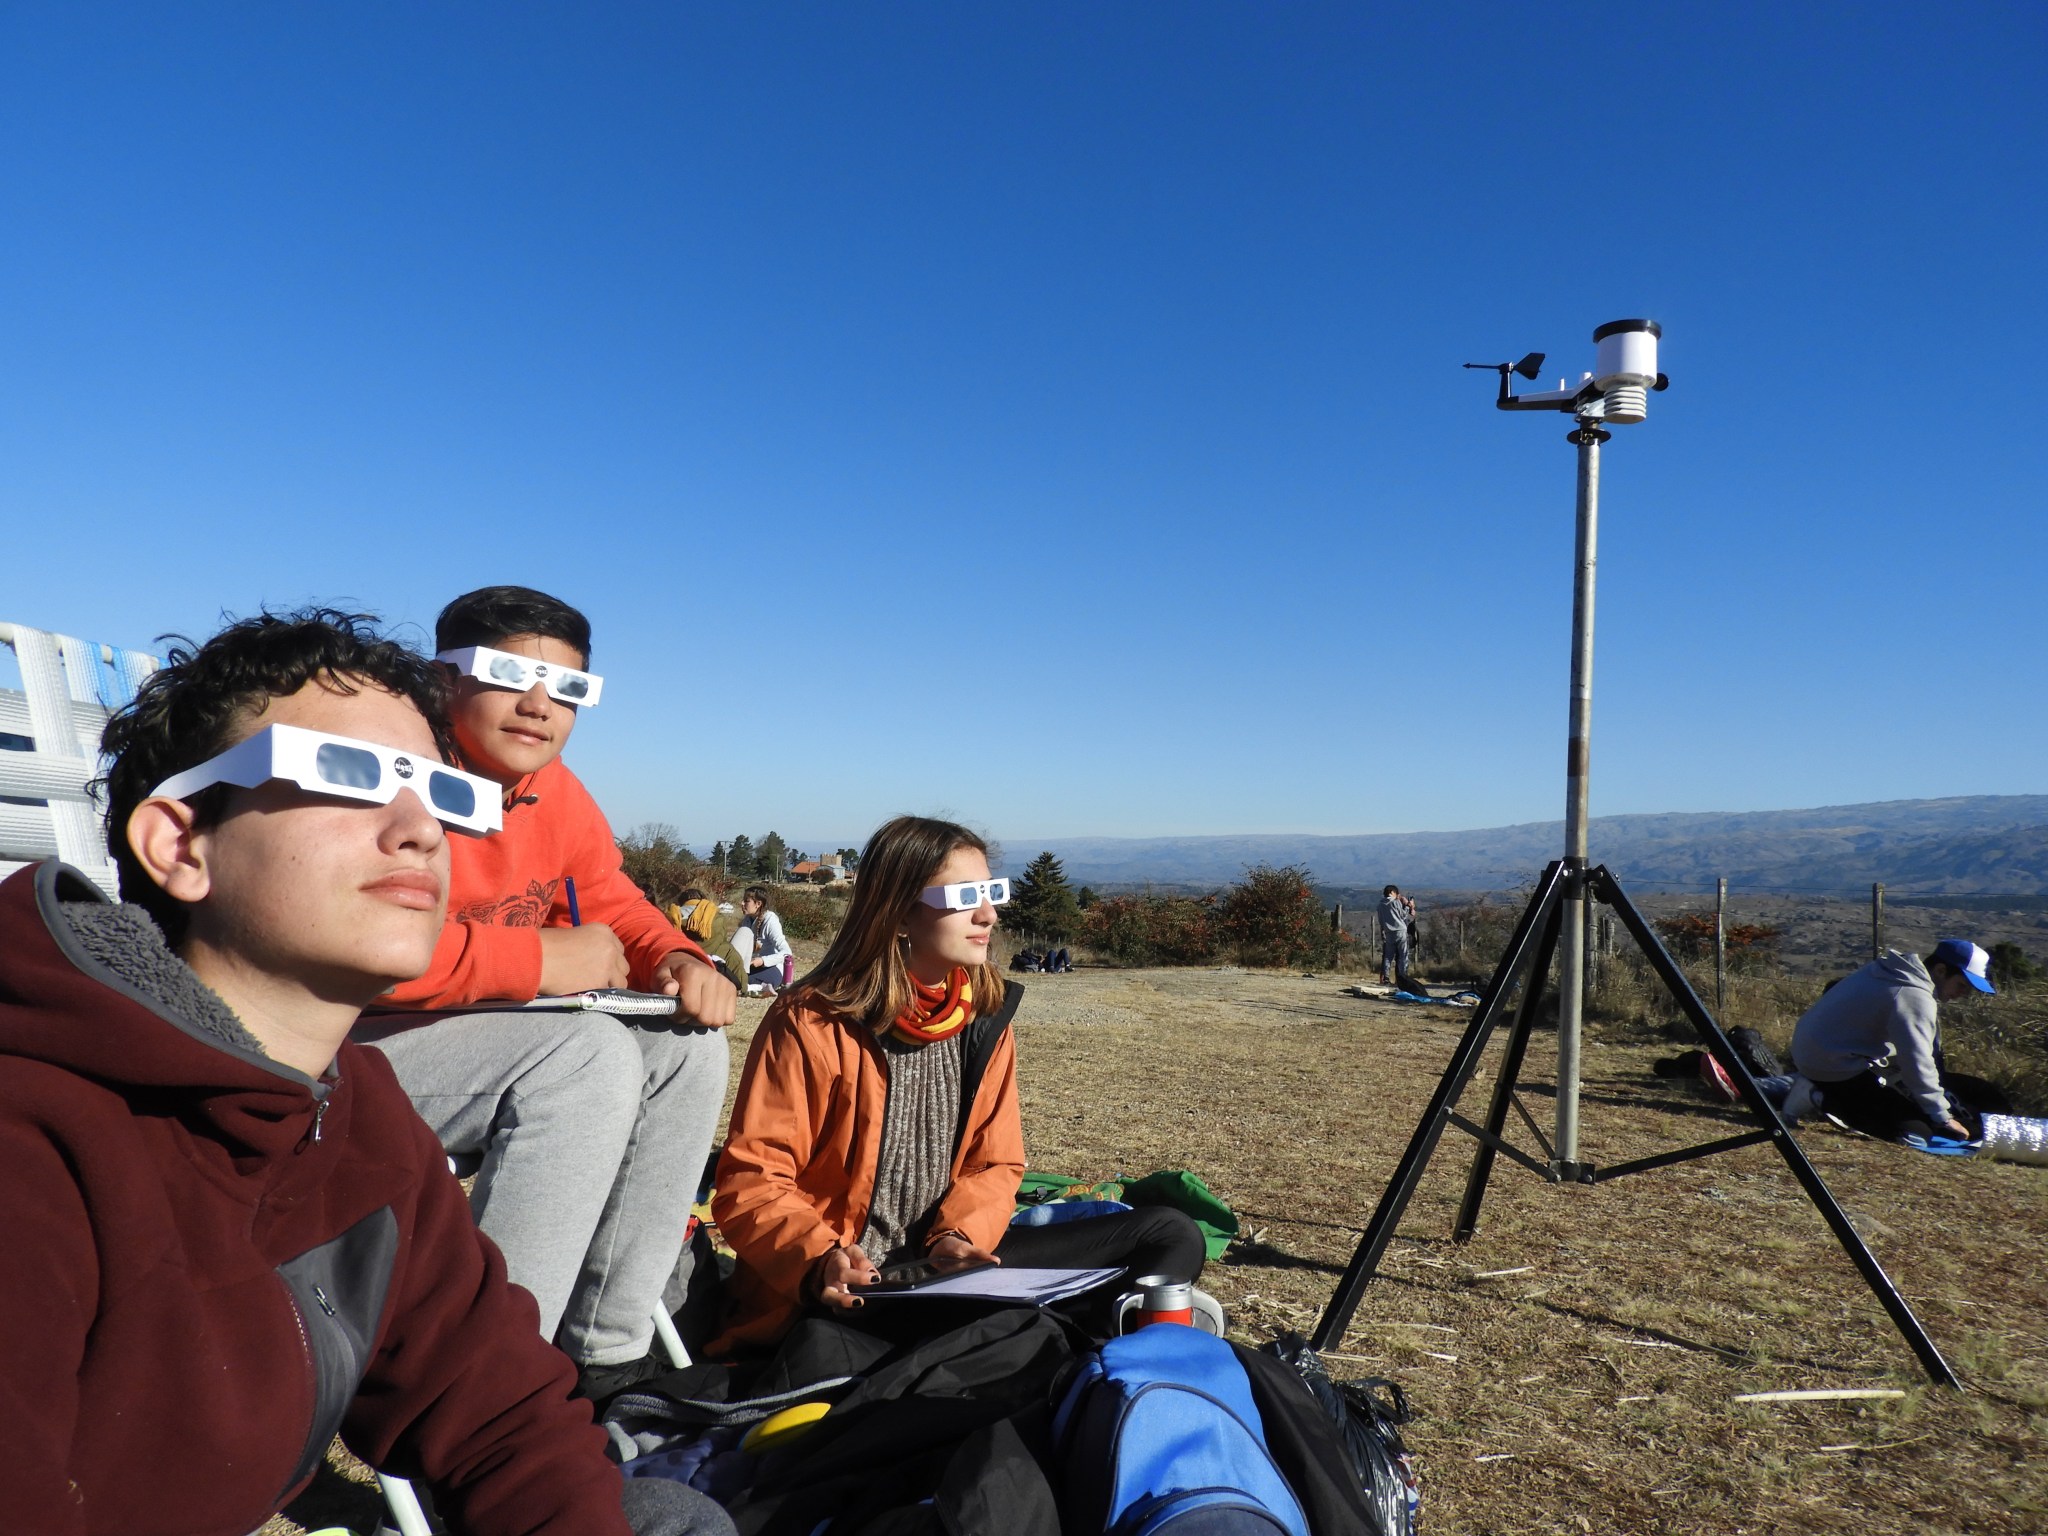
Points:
[(504, 888), (798, 1172)]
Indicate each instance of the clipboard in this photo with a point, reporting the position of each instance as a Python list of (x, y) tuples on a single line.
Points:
[(1001, 1285), (908, 1279)]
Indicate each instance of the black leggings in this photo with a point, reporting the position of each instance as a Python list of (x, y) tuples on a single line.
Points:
[(1868, 1103), (1151, 1240)]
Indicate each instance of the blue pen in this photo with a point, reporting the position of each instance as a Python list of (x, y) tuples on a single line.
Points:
[(569, 890)]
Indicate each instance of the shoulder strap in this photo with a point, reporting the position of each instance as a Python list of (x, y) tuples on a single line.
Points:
[(977, 1045)]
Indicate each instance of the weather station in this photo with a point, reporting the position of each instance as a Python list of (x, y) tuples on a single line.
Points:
[(1554, 927)]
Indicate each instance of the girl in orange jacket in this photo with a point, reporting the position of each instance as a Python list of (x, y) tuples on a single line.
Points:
[(877, 1117)]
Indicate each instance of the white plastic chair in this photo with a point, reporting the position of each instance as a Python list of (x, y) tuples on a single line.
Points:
[(68, 688)]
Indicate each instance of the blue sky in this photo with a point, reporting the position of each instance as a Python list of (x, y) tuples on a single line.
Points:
[(1052, 413)]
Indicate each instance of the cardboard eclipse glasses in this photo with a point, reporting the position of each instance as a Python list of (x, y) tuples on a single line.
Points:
[(502, 669), (351, 769), (965, 895)]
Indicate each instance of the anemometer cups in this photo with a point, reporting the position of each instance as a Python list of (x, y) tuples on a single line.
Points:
[(1625, 369)]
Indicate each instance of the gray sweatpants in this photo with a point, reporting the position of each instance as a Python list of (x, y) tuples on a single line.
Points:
[(593, 1133)]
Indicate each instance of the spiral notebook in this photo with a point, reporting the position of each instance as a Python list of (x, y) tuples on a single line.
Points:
[(618, 1000)]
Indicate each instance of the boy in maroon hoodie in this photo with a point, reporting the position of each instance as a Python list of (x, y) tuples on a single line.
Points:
[(224, 1234)]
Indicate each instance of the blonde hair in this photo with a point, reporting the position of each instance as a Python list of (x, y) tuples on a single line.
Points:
[(866, 972)]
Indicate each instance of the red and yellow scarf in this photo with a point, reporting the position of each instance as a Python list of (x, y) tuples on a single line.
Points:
[(936, 1013)]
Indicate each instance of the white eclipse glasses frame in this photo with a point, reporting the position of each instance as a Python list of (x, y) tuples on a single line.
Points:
[(505, 669), (352, 769), (966, 895)]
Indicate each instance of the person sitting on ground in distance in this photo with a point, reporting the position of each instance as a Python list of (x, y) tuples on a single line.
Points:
[(696, 914), (877, 1117), (228, 1235), (1059, 961), (1028, 959), (770, 959), (593, 1129), (1870, 1046)]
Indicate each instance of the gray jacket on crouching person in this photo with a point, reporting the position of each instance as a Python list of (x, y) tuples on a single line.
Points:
[(1886, 1009)]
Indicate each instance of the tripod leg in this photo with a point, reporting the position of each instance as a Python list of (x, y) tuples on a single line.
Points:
[(1715, 1041), (1400, 1189), (1510, 1073)]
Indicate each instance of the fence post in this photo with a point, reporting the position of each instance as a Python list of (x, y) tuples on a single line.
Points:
[(1876, 920), (1720, 944)]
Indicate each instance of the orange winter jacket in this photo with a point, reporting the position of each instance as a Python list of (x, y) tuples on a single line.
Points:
[(504, 888), (798, 1172)]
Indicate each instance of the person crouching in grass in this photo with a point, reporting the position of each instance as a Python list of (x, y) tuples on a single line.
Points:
[(877, 1117)]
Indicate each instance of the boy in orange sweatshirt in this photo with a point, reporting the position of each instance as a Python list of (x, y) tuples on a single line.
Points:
[(593, 1129)]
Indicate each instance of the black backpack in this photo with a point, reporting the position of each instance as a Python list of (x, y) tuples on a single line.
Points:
[(1368, 1415)]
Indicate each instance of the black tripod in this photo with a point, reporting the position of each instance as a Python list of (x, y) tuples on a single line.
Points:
[(1529, 953)]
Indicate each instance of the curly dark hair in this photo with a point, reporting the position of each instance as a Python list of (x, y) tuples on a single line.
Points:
[(192, 708), (491, 614)]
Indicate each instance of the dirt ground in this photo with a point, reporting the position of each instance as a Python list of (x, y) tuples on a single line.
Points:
[(1575, 1364)]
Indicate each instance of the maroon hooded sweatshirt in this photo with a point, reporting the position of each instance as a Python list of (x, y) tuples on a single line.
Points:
[(210, 1263)]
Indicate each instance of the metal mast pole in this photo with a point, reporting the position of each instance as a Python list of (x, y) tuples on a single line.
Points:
[(1571, 989)]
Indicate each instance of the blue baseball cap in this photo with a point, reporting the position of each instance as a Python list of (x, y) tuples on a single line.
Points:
[(1963, 956)]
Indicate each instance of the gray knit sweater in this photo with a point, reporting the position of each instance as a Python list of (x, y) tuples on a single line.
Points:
[(915, 1164)]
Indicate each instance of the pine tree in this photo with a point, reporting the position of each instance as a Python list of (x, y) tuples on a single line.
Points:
[(718, 856), (739, 858), (850, 858), (769, 861), (1042, 903)]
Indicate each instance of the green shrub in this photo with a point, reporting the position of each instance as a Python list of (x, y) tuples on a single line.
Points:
[(1274, 917), (1152, 930), (809, 913), (656, 861)]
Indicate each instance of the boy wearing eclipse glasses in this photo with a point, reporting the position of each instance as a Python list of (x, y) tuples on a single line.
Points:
[(593, 1130), (227, 1234)]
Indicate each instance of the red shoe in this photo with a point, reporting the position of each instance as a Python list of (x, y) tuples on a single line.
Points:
[(1718, 1082)]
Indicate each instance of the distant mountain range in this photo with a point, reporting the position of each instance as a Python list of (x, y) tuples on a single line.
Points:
[(1968, 845)]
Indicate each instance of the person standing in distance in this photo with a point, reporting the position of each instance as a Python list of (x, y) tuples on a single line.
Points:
[(1396, 916)]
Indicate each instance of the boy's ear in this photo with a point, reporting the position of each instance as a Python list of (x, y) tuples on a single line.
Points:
[(169, 847)]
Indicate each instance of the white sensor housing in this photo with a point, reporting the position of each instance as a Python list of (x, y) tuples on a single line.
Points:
[(1625, 367)]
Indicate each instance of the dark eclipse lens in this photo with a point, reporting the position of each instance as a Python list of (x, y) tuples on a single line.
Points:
[(347, 767), (455, 796)]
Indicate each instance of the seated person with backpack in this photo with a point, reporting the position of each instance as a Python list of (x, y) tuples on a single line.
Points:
[(228, 1235), (877, 1117), (592, 1128)]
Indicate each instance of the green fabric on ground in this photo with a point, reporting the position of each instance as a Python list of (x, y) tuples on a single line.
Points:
[(1044, 1188), (1185, 1191), (1177, 1187)]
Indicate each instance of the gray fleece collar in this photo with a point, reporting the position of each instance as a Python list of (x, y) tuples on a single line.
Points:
[(126, 943)]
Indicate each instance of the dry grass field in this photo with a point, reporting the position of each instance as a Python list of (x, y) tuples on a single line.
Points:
[(1575, 1364)]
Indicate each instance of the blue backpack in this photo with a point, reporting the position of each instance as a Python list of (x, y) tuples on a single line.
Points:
[(1158, 1436)]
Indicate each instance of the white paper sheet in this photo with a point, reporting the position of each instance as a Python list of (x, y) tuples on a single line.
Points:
[(1025, 1287)]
